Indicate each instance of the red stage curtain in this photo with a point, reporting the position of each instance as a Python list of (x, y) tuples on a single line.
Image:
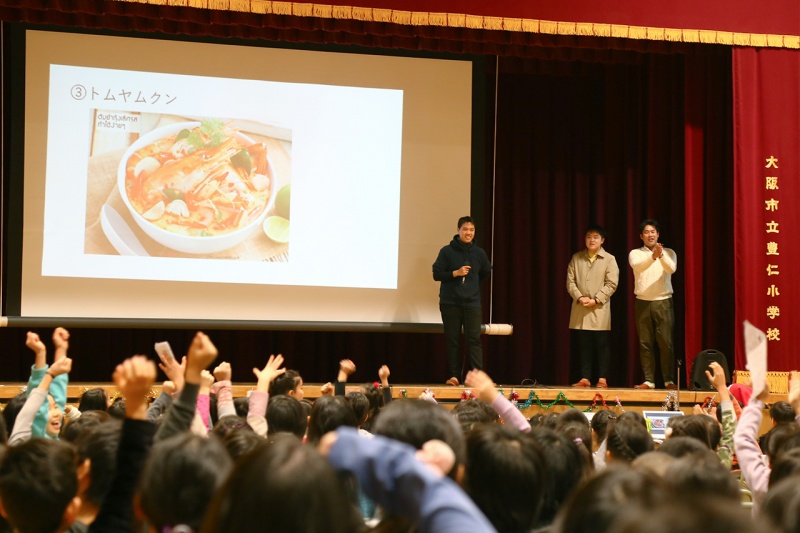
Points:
[(767, 125)]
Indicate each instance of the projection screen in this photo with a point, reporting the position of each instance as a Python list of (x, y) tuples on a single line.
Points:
[(195, 181)]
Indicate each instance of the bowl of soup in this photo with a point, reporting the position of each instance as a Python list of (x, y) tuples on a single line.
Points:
[(197, 187)]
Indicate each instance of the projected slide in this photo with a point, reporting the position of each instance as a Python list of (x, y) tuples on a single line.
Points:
[(153, 176)]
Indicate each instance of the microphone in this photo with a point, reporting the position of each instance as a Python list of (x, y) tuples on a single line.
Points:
[(464, 278)]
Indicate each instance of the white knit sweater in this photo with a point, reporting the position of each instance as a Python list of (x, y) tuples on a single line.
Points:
[(652, 277)]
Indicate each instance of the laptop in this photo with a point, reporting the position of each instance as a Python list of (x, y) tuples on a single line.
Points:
[(657, 422)]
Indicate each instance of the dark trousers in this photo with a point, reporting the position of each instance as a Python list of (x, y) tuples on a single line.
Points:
[(654, 323), (454, 317), (593, 343)]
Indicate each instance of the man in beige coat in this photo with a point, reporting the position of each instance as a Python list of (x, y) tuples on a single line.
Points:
[(592, 277)]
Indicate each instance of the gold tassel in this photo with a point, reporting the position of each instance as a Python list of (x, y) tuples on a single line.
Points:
[(456, 21), (584, 28), (401, 17), (345, 12), (259, 6), (493, 23), (530, 26), (301, 10), (671, 34), (620, 31), (691, 36), (758, 40), (419, 19), (381, 15), (201, 4), (323, 11), (637, 32), (512, 25), (708, 36), (602, 30), (791, 41), (548, 26), (281, 8), (219, 4), (655, 34), (775, 41), (437, 19), (240, 5), (565, 28), (474, 22), (741, 39)]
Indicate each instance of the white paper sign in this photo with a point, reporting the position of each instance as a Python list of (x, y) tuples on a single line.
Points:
[(755, 343)]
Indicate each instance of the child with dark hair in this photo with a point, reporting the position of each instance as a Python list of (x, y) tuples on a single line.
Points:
[(48, 419), (329, 413), (693, 426), (285, 486), (600, 424), (289, 383), (239, 443), (74, 428), (259, 398), (25, 425), (12, 409), (499, 457), (286, 415), (627, 440), (179, 480), (472, 413), (39, 486), (678, 447), (93, 400), (97, 448), (117, 409)]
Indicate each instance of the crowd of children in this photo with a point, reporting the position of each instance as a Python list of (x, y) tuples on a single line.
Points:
[(196, 459)]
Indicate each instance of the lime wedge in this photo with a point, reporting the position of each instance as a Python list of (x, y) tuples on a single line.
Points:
[(277, 229), (282, 200)]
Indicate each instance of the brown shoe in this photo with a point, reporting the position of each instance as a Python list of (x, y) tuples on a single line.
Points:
[(453, 382), (644, 386), (602, 383), (583, 383), (670, 386)]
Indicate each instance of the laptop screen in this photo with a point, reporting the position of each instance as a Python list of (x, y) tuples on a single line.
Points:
[(657, 422)]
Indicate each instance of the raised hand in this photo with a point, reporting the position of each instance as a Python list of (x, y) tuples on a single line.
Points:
[(61, 342), (383, 375), (62, 366), (482, 384), (206, 381), (202, 353), (326, 389), (174, 371), (134, 377), (36, 345), (223, 371), (346, 369), (169, 388), (270, 371)]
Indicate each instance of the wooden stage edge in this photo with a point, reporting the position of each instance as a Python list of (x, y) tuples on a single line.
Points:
[(629, 399)]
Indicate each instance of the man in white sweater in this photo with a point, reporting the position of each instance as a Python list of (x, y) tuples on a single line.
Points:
[(653, 266)]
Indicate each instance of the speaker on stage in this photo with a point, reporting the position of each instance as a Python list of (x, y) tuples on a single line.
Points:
[(698, 379)]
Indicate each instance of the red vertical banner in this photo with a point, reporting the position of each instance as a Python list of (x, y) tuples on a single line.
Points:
[(766, 115)]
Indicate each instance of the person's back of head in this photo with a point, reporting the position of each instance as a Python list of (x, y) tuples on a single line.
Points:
[(73, 429), (536, 420), (12, 409), (242, 406), (415, 422), (787, 464), (39, 485), (656, 463), (633, 416), (473, 412), (550, 420), (179, 479), (360, 405), (597, 503), (117, 408), (329, 413), (93, 400), (693, 426), (283, 486), (580, 434), (239, 443), (697, 474), (678, 447), (627, 440), (285, 383), (780, 511), (713, 514), (570, 416), (229, 424), (285, 414), (500, 457), (98, 445), (600, 424), (565, 467), (782, 438), (374, 395), (781, 412)]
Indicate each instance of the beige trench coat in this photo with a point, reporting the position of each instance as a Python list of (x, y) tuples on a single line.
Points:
[(596, 280)]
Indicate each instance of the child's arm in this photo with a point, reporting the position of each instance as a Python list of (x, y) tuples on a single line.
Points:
[(202, 353), (386, 389), (484, 386), (204, 398), (22, 430), (717, 378), (259, 398), (133, 378), (162, 402), (346, 369), (222, 388)]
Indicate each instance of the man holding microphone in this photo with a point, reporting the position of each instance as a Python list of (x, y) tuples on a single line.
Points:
[(460, 267)]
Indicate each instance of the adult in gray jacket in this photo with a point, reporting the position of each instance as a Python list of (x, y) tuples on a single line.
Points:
[(592, 277)]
